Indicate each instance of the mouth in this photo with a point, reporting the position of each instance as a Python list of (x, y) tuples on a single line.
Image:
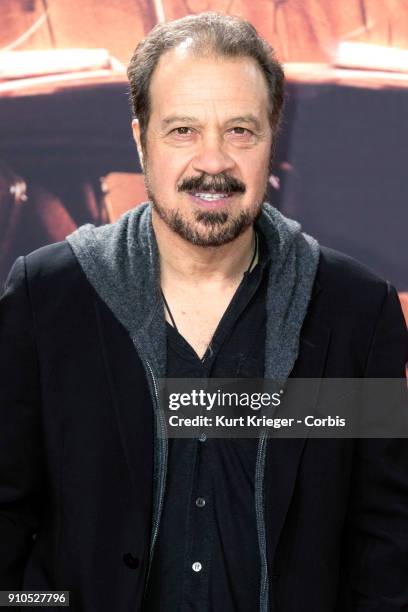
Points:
[(211, 199)]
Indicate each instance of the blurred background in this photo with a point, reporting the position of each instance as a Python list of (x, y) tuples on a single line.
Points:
[(66, 153)]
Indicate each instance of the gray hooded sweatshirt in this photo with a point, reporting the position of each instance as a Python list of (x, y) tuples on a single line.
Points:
[(121, 261)]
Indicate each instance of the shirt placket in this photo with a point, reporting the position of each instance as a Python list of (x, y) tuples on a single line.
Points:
[(198, 558)]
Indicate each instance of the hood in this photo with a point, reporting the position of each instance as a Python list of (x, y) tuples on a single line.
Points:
[(121, 261)]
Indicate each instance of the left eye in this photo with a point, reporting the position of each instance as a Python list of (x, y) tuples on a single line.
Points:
[(241, 131)]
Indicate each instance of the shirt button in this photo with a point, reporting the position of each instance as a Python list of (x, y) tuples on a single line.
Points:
[(131, 561), (202, 437), (197, 567), (200, 502)]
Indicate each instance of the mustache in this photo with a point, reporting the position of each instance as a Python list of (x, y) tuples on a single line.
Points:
[(219, 183)]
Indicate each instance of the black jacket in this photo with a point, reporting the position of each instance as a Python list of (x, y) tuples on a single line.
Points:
[(76, 450)]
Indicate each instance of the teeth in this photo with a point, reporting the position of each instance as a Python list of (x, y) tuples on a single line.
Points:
[(211, 196)]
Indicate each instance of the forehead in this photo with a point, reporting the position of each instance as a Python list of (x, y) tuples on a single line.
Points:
[(190, 85)]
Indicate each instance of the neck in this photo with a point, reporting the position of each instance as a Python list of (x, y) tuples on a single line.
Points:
[(182, 261)]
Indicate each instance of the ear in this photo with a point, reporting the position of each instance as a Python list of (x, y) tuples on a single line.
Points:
[(136, 137)]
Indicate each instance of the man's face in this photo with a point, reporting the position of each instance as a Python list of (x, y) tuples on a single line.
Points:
[(208, 145)]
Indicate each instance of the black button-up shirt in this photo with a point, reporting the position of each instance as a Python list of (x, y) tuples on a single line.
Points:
[(207, 555)]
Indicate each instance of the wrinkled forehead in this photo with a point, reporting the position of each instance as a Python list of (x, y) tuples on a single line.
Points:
[(188, 84)]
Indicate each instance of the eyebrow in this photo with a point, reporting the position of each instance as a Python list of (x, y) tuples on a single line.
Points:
[(247, 118), (179, 119)]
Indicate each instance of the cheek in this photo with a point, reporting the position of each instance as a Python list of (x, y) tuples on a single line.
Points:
[(254, 167), (166, 169), (255, 178)]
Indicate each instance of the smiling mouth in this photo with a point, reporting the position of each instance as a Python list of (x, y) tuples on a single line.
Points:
[(211, 197)]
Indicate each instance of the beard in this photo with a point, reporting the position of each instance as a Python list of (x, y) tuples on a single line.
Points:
[(207, 228)]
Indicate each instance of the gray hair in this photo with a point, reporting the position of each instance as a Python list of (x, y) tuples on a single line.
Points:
[(208, 34)]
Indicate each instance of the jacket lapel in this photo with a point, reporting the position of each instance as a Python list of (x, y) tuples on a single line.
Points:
[(131, 400), (284, 455)]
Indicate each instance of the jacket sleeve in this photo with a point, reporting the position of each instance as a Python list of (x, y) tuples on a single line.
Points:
[(20, 446), (378, 509)]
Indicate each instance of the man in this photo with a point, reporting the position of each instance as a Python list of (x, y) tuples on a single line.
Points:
[(203, 281)]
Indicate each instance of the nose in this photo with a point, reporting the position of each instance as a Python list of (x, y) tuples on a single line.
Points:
[(212, 157)]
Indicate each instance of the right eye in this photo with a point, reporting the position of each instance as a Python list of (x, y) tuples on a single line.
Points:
[(182, 131)]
